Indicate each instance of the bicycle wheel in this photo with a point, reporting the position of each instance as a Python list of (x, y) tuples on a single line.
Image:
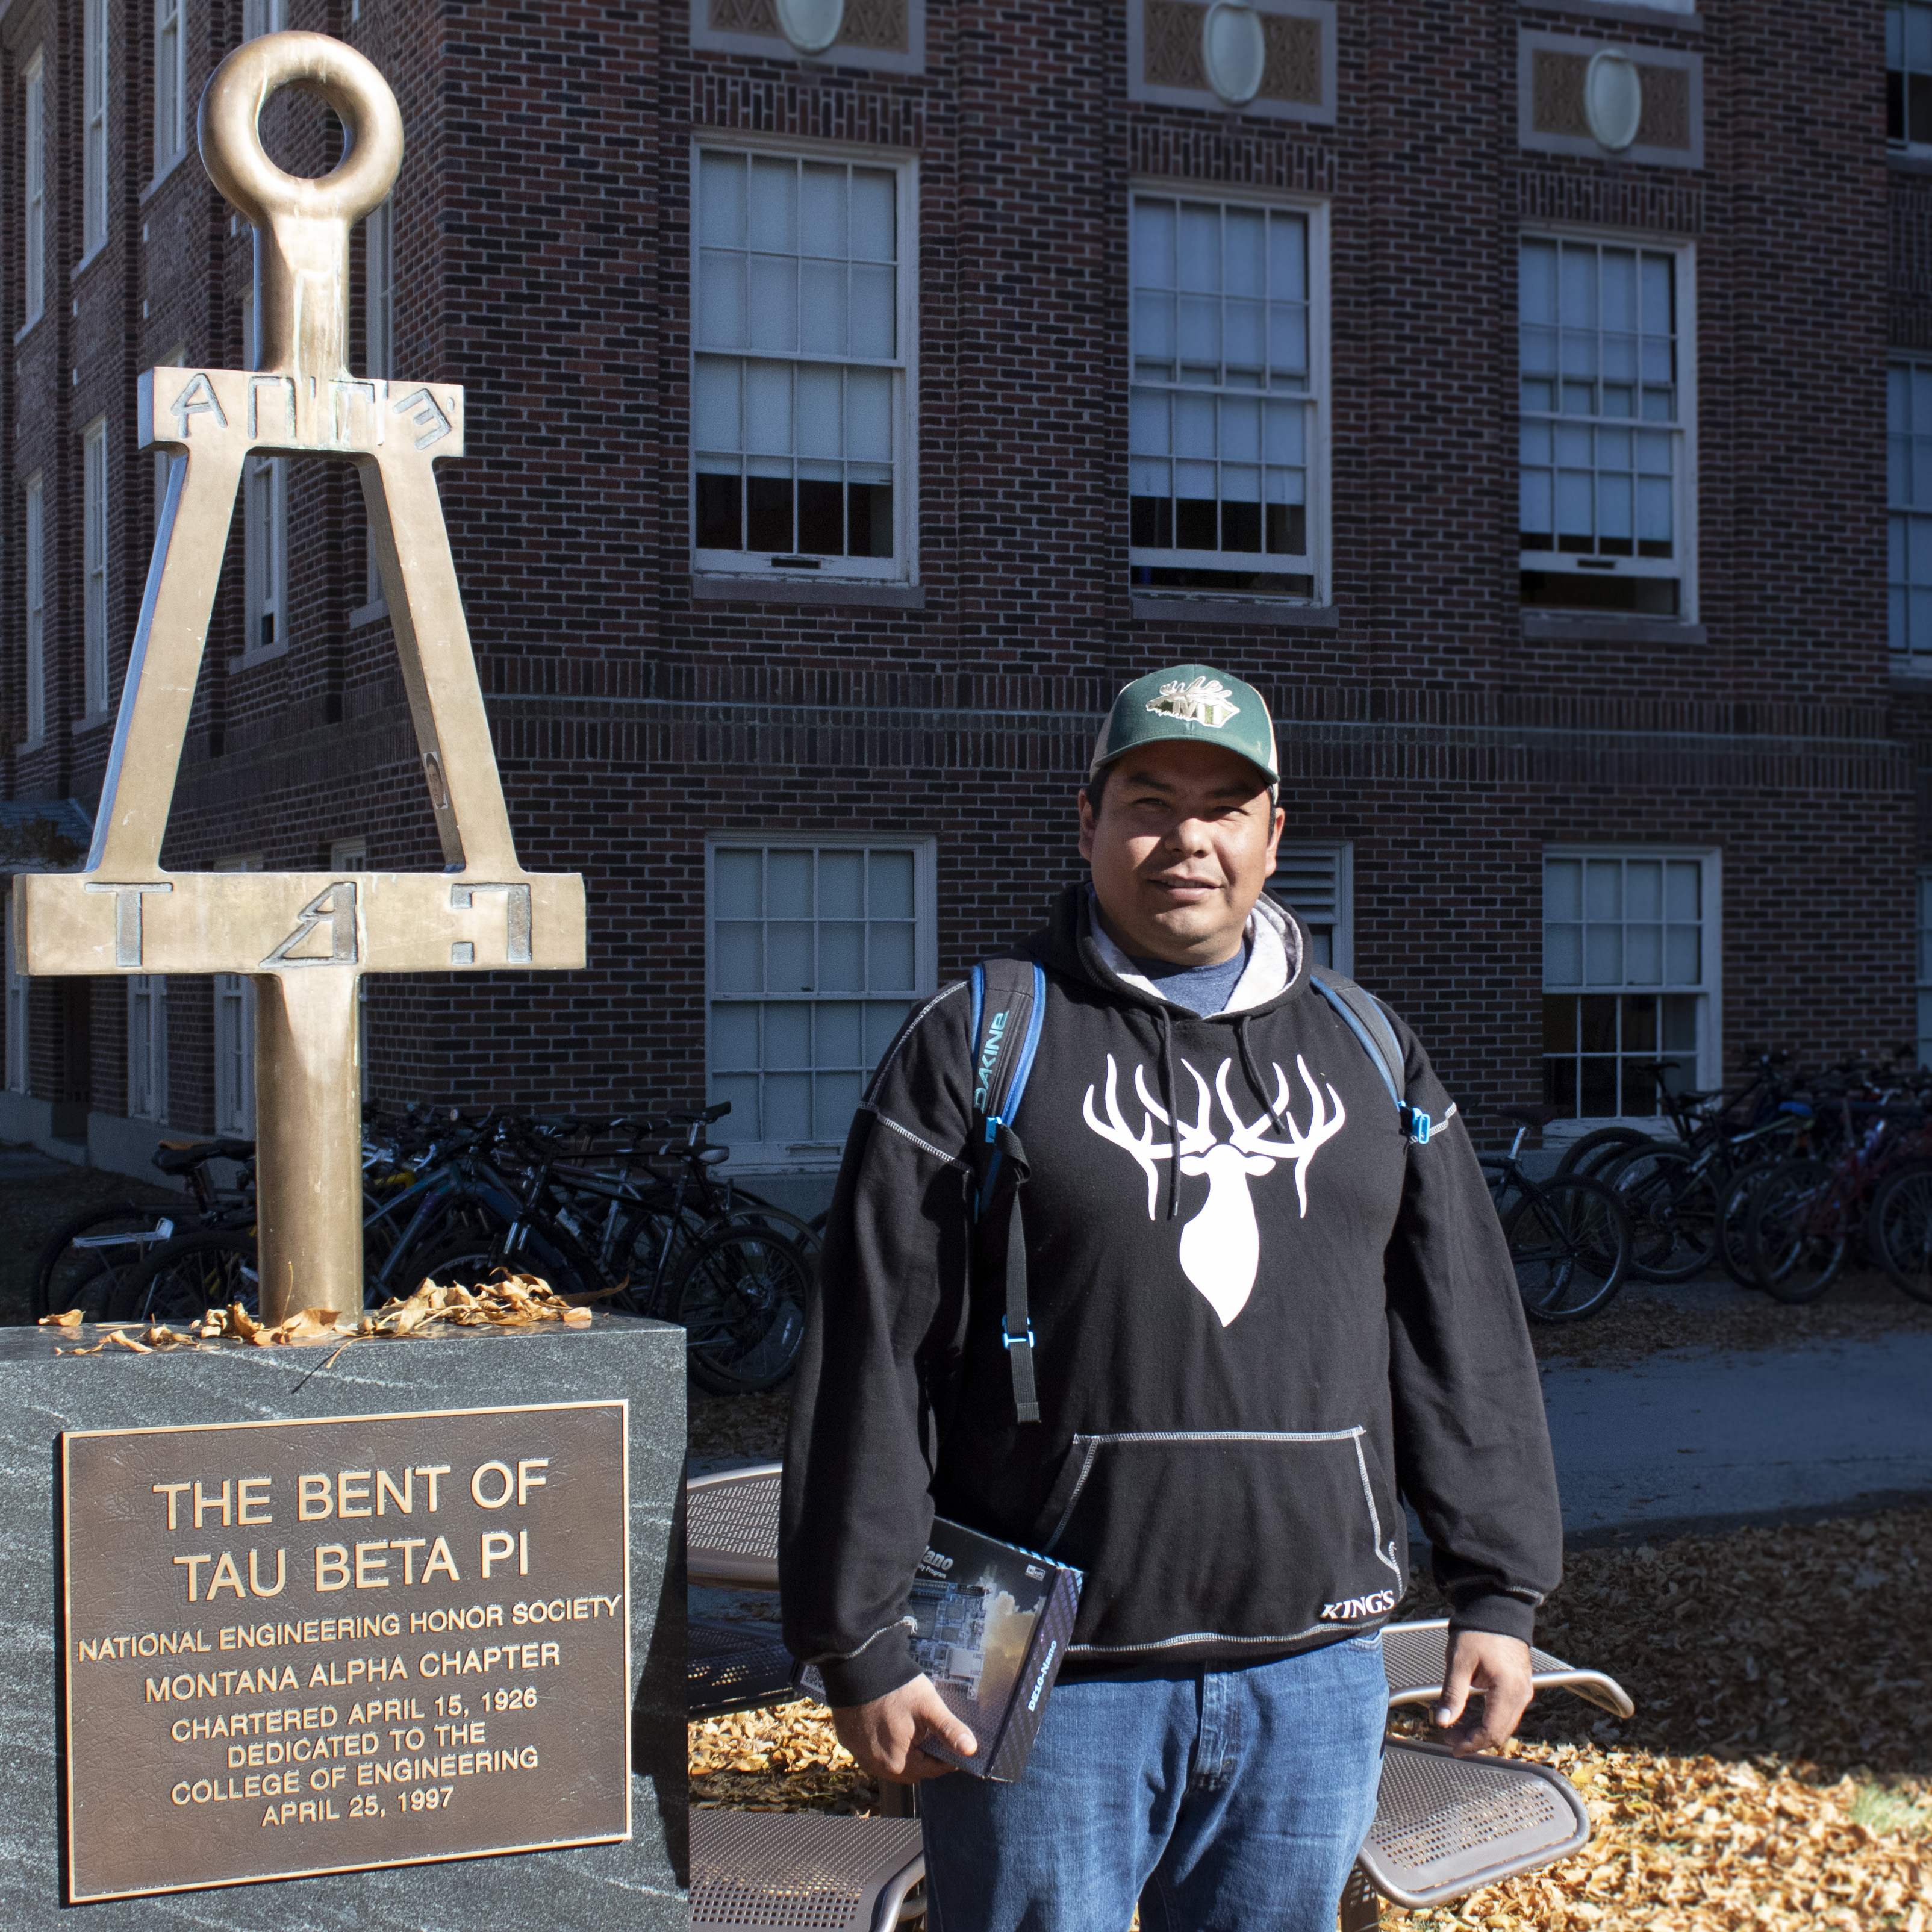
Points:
[(1571, 1241), (1734, 1211), (1673, 1205), (1900, 1231), (1799, 1230), (741, 1299), (1603, 1148), (83, 1260), (182, 1280)]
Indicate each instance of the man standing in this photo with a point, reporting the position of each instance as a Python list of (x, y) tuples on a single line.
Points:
[(1267, 1305)]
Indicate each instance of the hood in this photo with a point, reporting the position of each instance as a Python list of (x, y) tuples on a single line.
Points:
[(1072, 943)]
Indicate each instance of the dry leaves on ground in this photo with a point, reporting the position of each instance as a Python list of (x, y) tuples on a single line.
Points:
[(1777, 1777), (740, 1425)]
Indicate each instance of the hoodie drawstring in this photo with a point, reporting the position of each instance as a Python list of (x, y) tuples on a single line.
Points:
[(1253, 1076), (1167, 1101)]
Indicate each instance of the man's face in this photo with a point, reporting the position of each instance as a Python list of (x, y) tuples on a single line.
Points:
[(1183, 839)]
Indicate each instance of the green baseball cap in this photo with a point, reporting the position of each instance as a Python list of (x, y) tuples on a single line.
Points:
[(1191, 701)]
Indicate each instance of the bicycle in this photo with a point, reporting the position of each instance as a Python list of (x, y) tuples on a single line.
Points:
[(86, 1259), (1569, 1238)]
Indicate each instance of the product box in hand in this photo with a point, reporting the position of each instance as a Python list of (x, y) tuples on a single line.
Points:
[(992, 1621)]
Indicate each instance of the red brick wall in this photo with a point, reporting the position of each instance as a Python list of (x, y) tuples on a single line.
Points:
[(543, 249)]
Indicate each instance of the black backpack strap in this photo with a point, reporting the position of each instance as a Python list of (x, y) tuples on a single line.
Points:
[(1008, 1005)]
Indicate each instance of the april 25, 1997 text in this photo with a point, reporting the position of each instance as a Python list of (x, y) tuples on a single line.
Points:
[(232, 1667)]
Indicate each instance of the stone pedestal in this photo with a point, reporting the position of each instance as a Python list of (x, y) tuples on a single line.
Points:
[(635, 1884)]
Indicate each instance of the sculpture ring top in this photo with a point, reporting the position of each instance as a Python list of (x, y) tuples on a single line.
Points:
[(301, 258)]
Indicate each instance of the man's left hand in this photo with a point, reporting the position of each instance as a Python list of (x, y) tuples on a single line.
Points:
[(1497, 1669)]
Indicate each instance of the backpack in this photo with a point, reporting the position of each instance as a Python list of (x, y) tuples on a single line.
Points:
[(1009, 1007)]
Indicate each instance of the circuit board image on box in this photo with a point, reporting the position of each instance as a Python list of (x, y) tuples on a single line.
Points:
[(992, 1623)]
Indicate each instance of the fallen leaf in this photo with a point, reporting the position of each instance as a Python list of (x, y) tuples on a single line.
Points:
[(68, 1317)]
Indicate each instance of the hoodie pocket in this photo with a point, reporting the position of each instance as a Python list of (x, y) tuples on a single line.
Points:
[(1199, 1537)]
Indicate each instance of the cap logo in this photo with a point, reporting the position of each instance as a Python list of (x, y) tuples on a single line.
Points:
[(1206, 701)]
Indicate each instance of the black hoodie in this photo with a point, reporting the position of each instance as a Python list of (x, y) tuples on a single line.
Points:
[(1246, 1356)]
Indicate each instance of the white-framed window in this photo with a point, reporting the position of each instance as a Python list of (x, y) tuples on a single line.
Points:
[(94, 153), (36, 575), (34, 226), (1319, 882), (1909, 513), (1607, 358), (352, 855), (18, 1077), (1924, 975), (802, 371), (170, 85), (93, 538), (263, 16), (265, 530), (147, 1046), (1908, 73), (1630, 976), (816, 951), (234, 1036), (379, 298), (1227, 425)]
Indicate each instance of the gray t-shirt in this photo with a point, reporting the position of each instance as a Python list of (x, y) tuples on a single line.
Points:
[(1207, 989)]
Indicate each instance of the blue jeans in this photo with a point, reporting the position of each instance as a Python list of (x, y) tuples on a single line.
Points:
[(1221, 1800)]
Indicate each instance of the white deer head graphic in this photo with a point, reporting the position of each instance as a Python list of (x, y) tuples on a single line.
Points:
[(1220, 1248)]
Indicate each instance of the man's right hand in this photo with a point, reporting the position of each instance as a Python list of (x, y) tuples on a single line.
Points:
[(884, 1735)]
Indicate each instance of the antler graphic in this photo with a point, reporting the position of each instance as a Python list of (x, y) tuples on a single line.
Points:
[(1323, 1126), (1145, 1149)]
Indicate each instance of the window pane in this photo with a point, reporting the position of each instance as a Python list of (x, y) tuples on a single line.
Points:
[(874, 216), (788, 885), (1562, 955), (788, 1034), (889, 962), (745, 1121), (841, 1034), (1683, 884), (836, 1098), (737, 967), (883, 1019), (1563, 889), (721, 197), (841, 885), (1603, 888), (774, 204), (1559, 1024), (841, 962), (714, 411), (1602, 955), (789, 966), (822, 204), (787, 1098), (1643, 889), (734, 1037), (891, 886), (1643, 955), (868, 418)]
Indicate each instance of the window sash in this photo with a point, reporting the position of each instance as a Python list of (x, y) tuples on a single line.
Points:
[(802, 408), (1630, 965), (36, 577), (170, 84), (94, 542), (19, 1017), (1908, 511), (805, 991), (264, 533), (1607, 413), (93, 154), (34, 229), (148, 1047), (1318, 882), (1225, 443), (1908, 75)]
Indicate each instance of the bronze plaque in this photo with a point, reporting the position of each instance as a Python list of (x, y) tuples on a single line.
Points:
[(298, 1647)]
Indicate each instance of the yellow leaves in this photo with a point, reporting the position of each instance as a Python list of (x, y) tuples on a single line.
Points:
[(783, 1760), (67, 1318), (515, 1301)]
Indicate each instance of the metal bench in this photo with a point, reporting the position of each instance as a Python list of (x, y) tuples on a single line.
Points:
[(731, 1528), (735, 1667), (1414, 1654), (775, 1871)]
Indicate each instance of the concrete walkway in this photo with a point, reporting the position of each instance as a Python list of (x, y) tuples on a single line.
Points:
[(1710, 1437)]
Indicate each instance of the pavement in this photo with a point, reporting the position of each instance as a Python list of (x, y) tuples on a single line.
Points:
[(1713, 1438)]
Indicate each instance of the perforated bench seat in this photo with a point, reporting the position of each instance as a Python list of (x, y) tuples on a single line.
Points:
[(801, 1871), (735, 1667), (1445, 1825), (731, 1528)]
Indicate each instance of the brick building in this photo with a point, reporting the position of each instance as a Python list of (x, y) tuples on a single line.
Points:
[(1505, 389)]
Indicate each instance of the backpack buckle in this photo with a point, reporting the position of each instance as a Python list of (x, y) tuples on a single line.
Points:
[(1419, 1125), (1012, 1340)]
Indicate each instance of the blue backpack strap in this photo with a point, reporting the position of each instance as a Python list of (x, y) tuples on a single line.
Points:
[(1009, 1009), (1362, 1014)]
